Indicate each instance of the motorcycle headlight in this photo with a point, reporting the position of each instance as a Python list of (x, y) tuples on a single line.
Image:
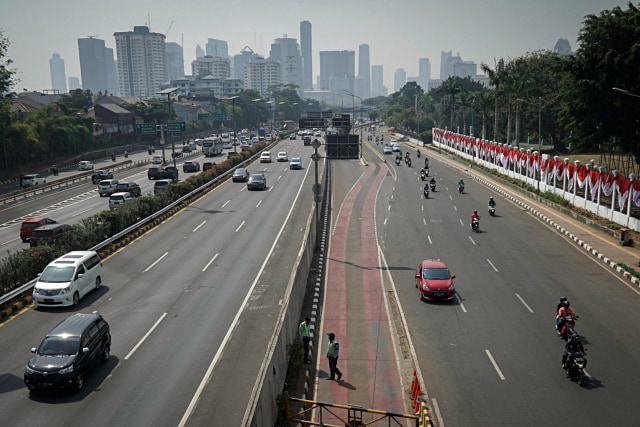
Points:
[(66, 370)]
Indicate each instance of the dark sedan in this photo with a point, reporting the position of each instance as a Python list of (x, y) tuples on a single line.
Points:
[(240, 175), (257, 181)]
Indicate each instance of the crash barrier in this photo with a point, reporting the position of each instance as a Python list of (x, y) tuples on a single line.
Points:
[(64, 182), (122, 238), (354, 416), (262, 410), (606, 195)]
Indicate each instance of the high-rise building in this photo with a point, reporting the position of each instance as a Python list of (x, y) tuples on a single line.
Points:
[(217, 48), (58, 76), (562, 47), (218, 68), (261, 73), (287, 51), (97, 67), (175, 60), (363, 86), (377, 80), (444, 57), (245, 55), (142, 62), (424, 73), (74, 83), (307, 55), (399, 79), (464, 69), (199, 52), (337, 70)]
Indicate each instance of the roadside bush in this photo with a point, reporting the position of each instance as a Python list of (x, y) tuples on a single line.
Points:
[(20, 267)]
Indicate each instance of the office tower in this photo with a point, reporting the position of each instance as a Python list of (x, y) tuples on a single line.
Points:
[(562, 47), (399, 79), (58, 77), (175, 60), (363, 87), (287, 51), (218, 68), (424, 73), (217, 48), (444, 57), (464, 69), (142, 62), (199, 52), (337, 70), (260, 74), (377, 80), (307, 55), (74, 83), (97, 67), (245, 55)]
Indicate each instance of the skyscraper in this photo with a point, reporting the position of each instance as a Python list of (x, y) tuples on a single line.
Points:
[(199, 52), (337, 70), (424, 73), (307, 55), (239, 61), (218, 68), (142, 62), (97, 67), (74, 83), (260, 74), (377, 86), (58, 77), (287, 51), (363, 87), (217, 48), (175, 60), (399, 79), (444, 57)]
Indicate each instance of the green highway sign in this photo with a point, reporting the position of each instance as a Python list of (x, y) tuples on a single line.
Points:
[(176, 127), (212, 116), (146, 128)]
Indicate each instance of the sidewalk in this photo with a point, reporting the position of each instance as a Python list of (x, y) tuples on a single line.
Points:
[(591, 237)]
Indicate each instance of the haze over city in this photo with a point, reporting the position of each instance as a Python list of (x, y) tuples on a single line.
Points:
[(398, 33)]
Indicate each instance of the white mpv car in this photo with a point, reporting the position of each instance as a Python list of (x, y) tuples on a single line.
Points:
[(67, 279)]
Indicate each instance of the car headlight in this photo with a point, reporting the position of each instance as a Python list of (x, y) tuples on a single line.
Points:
[(425, 288), (67, 370), (65, 290), (28, 370), (450, 288)]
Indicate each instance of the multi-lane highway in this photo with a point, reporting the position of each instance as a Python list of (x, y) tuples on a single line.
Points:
[(191, 306), (492, 356)]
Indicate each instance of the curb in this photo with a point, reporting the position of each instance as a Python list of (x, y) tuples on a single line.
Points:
[(15, 307)]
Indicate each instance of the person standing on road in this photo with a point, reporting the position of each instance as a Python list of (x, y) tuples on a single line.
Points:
[(332, 355), (305, 336)]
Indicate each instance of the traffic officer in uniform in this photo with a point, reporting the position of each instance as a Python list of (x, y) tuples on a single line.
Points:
[(332, 355), (305, 336)]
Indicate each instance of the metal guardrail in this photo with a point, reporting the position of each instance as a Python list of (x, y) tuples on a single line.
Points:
[(14, 293)]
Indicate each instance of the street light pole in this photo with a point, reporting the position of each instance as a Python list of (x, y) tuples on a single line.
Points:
[(235, 131), (168, 92)]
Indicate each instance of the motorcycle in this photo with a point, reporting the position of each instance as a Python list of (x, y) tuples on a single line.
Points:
[(568, 327), (426, 192), (408, 161), (398, 161), (475, 225), (423, 174), (433, 186), (461, 189), (418, 154), (492, 210), (575, 367)]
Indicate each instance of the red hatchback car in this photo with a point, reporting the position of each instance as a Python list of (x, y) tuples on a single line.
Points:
[(434, 281), (31, 224)]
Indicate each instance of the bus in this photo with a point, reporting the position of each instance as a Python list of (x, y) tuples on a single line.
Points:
[(212, 147)]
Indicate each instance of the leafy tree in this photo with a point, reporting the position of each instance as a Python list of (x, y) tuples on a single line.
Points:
[(76, 100), (497, 77), (152, 111)]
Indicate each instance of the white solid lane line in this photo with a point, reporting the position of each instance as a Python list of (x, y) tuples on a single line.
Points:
[(464, 309), (210, 262), (81, 212), (133, 350), (495, 365), (156, 261), (424, 221), (436, 409), (201, 224), (492, 266), (429, 238), (9, 241), (240, 226), (226, 203), (524, 303)]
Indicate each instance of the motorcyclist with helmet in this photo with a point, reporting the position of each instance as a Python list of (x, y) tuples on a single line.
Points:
[(433, 183), (475, 215), (491, 204), (461, 182), (565, 311), (573, 348), (560, 304)]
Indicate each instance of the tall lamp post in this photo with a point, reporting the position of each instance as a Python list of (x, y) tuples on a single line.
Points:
[(235, 131), (168, 92)]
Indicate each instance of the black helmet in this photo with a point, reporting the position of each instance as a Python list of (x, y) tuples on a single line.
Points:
[(566, 303), (574, 337), (562, 299), (475, 211)]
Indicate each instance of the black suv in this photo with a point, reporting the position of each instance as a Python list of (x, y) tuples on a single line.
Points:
[(191, 167), (154, 172), (68, 353), (130, 187), (99, 175), (48, 234), (207, 165)]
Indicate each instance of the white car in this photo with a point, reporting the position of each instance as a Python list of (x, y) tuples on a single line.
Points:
[(395, 147), (118, 199), (32, 180), (282, 156), (227, 144), (265, 157), (85, 165), (157, 160)]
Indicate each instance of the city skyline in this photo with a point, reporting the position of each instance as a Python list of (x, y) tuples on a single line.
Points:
[(410, 30)]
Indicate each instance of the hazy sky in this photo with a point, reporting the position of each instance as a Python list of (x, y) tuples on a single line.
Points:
[(398, 32)]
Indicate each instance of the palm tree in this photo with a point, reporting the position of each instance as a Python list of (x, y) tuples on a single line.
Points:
[(484, 100), (464, 101)]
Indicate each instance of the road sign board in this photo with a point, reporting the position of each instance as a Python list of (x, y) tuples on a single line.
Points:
[(146, 128), (212, 116), (176, 127)]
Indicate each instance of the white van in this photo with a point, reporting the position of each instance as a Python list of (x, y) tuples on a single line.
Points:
[(120, 198), (67, 279), (33, 180)]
